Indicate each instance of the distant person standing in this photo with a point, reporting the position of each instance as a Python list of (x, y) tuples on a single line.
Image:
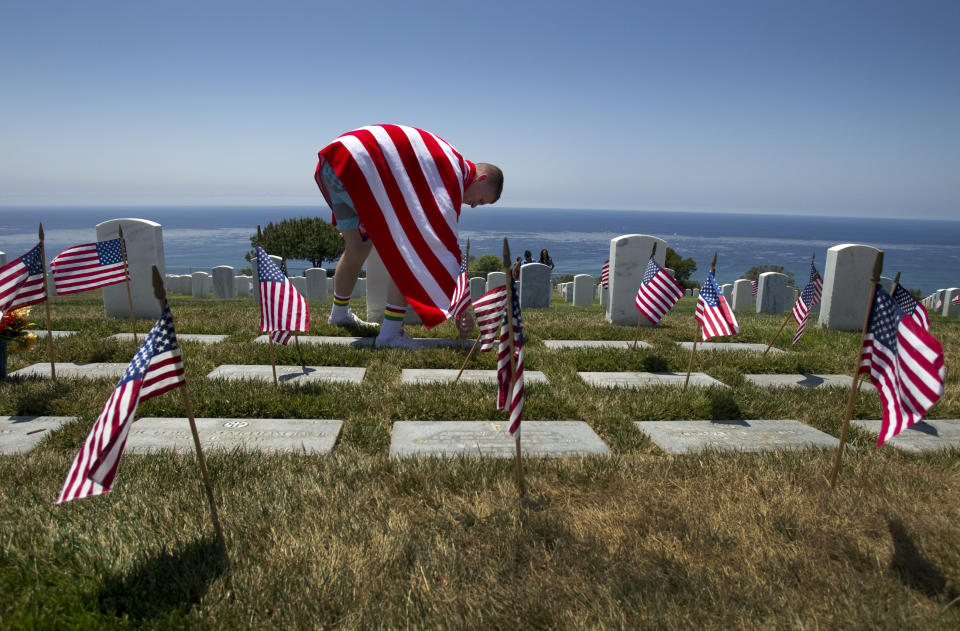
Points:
[(516, 268), (545, 258), (527, 257)]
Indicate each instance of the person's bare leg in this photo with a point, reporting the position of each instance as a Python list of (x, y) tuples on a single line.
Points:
[(351, 261), (355, 252)]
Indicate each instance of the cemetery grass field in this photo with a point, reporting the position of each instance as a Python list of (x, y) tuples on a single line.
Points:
[(356, 540)]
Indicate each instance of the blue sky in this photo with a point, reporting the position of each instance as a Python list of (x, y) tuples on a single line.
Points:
[(835, 108)]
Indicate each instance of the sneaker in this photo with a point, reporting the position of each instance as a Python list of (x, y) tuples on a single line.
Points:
[(351, 321), (397, 341)]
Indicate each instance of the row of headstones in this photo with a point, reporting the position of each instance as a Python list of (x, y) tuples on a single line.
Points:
[(943, 298), (846, 284), (314, 285)]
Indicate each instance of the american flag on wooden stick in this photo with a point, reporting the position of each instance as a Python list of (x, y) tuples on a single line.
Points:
[(911, 307), (658, 292), (282, 308), (753, 288), (713, 312), (955, 301), (89, 266), (605, 274), (808, 298), (905, 363), (21, 281), (155, 368), (511, 398), (488, 309), (461, 293)]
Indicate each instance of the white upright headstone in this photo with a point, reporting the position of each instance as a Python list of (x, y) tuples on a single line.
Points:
[(605, 296), (300, 283), (628, 261), (670, 271), (242, 284), (742, 295), (144, 245), (582, 290), (847, 281), (887, 283), (496, 279), (773, 293), (727, 290), (223, 284), (951, 310), (478, 285), (360, 289), (317, 284), (201, 284)]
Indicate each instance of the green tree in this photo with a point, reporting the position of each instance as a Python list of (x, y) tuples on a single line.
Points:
[(682, 268), (754, 272), (484, 264), (307, 238)]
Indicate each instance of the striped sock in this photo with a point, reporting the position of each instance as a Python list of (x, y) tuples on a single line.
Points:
[(392, 321), (341, 305)]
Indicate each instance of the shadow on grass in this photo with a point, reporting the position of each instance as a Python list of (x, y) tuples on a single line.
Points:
[(913, 569), (723, 407), (167, 581), (38, 401)]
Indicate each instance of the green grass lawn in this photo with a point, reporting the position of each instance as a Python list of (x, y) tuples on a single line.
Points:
[(356, 540)]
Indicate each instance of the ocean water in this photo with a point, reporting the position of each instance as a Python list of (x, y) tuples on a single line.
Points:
[(926, 252)]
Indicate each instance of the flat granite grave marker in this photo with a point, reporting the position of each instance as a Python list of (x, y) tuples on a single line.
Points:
[(806, 381), (541, 439), (73, 370), (56, 334), (313, 436), (420, 342), (682, 437), (201, 338), (447, 375), (144, 245), (647, 379), (742, 347), (562, 344), (926, 435), (20, 434), (288, 374)]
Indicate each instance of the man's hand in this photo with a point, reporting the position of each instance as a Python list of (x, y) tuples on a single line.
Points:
[(465, 323)]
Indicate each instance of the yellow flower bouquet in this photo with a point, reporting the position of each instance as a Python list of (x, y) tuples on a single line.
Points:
[(14, 333)]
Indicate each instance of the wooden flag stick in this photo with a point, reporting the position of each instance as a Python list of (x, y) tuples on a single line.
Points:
[(469, 355), (126, 273), (513, 360), (713, 269), (877, 266), (273, 361), (46, 304), (636, 338), (789, 315), (161, 294)]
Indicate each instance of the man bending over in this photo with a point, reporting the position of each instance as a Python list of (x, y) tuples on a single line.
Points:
[(400, 189)]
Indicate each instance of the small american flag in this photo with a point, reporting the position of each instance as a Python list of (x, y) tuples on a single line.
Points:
[(808, 298), (89, 266), (955, 301), (21, 281), (489, 311), (605, 274), (658, 292), (753, 288), (155, 368), (282, 308), (461, 293), (911, 307), (713, 313), (507, 398), (905, 363)]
